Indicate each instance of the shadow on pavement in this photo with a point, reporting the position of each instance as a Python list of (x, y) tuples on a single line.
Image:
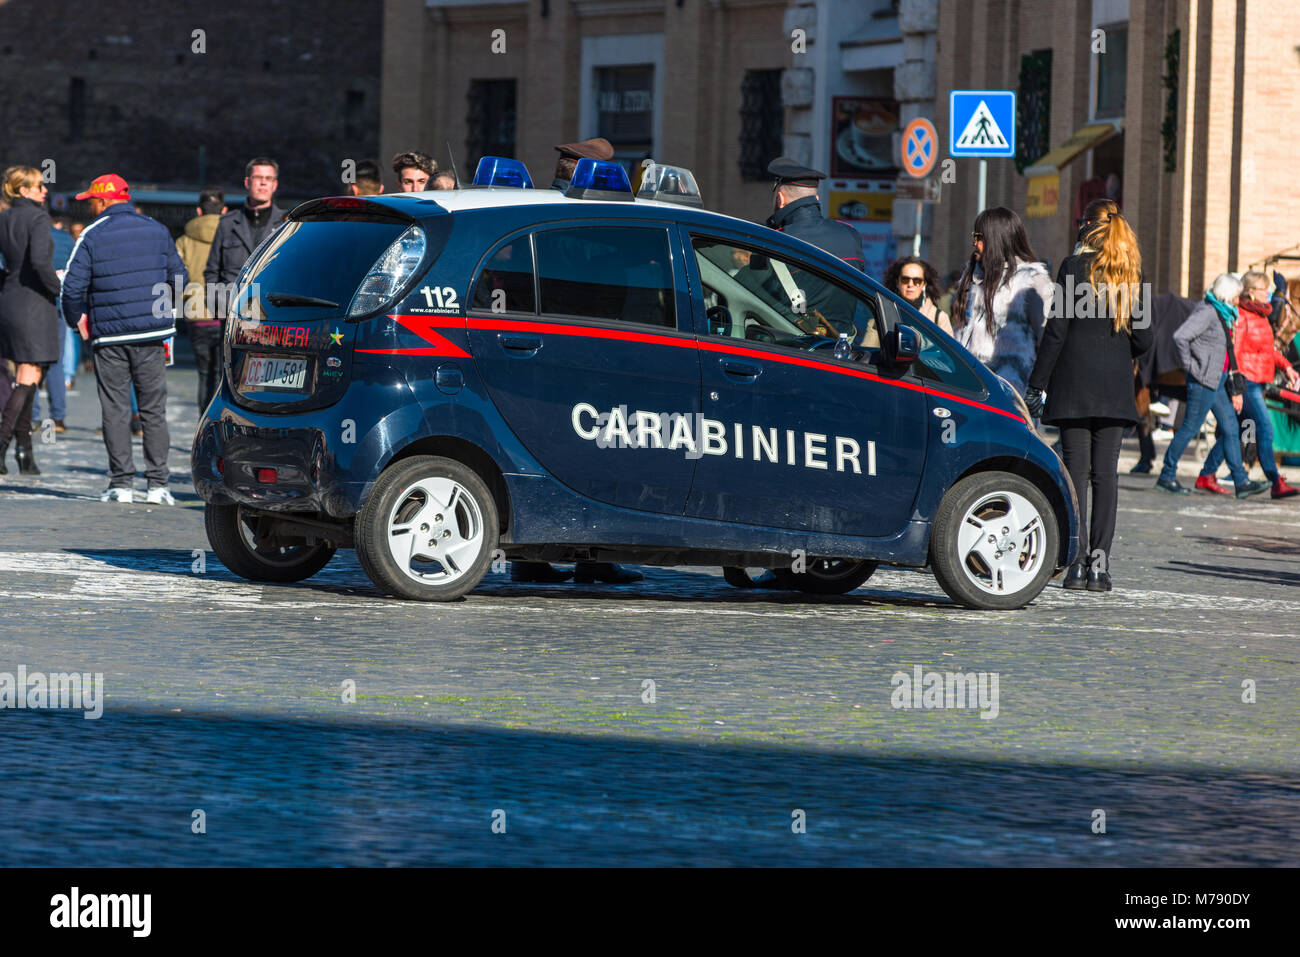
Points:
[(344, 575), (1263, 576), (279, 791)]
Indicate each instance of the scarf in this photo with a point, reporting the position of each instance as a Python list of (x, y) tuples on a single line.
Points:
[(1258, 308), (1226, 312)]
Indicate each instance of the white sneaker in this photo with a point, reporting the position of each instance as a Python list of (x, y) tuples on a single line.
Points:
[(159, 496), (117, 494), (1159, 408), (1162, 435)]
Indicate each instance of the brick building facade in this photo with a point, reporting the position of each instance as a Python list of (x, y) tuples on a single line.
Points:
[(119, 85), (690, 82), (1203, 172)]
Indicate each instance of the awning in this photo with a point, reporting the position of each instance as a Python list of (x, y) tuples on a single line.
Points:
[(1083, 140)]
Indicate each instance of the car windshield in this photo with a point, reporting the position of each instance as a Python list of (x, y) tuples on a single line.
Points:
[(762, 298)]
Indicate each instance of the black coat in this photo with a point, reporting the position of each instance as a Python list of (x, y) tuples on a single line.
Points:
[(1083, 364), (30, 330), (232, 244), (803, 219)]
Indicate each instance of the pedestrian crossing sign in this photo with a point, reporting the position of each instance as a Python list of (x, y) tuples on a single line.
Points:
[(982, 123)]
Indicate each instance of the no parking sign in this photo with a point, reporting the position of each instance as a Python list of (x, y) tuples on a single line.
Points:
[(920, 147)]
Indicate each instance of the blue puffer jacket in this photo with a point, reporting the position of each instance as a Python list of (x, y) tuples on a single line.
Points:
[(124, 273)]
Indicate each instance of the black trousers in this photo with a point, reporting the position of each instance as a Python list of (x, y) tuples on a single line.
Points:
[(206, 342), (1090, 450), (118, 369)]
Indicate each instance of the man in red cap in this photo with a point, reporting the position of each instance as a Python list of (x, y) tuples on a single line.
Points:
[(123, 271)]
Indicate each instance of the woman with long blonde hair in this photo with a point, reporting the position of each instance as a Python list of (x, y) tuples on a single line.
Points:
[(1100, 323), (30, 333)]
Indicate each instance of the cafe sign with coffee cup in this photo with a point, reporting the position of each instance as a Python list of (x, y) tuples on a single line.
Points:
[(862, 137)]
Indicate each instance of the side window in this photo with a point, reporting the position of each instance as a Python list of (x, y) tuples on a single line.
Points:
[(938, 363), (622, 273), (506, 283), (751, 295)]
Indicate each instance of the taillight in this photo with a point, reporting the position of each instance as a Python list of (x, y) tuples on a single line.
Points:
[(389, 273), (266, 476)]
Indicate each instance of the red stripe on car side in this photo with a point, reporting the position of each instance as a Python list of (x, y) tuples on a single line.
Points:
[(423, 327), (682, 341)]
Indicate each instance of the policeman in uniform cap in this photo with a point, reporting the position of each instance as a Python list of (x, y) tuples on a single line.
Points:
[(797, 212), (597, 149)]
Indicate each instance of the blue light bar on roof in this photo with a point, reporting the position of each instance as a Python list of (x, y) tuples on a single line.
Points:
[(502, 171), (599, 179)]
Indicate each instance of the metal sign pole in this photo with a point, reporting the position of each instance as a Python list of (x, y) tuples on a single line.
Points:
[(916, 239), (984, 185)]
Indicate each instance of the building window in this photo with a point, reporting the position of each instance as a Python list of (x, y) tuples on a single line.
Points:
[(1112, 72), (625, 111), (1033, 108), (762, 122), (490, 121), (76, 108)]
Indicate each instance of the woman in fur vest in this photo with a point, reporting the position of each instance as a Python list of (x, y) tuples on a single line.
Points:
[(1003, 297)]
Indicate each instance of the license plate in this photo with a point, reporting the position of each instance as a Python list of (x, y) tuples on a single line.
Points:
[(275, 372)]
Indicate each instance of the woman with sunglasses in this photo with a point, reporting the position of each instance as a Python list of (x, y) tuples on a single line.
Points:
[(918, 282), (1085, 363), (30, 333), (1003, 297)]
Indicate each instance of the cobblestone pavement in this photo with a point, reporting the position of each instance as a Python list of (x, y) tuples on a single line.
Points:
[(225, 696)]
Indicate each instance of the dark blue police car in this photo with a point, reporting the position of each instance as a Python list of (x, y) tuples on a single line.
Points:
[(443, 379)]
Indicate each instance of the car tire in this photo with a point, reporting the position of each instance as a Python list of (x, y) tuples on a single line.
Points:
[(833, 576), (984, 562), (420, 496), (233, 540)]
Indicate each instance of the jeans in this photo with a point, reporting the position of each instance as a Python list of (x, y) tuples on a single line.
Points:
[(1201, 401), (1253, 407), (71, 352)]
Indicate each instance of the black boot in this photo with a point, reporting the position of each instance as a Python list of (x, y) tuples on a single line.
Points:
[(537, 572), (1076, 576), (23, 438), (18, 407)]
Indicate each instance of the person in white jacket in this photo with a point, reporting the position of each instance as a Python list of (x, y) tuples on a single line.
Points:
[(1003, 297)]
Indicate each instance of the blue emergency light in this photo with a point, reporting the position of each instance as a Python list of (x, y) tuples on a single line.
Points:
[(502, 171), (599, 179)]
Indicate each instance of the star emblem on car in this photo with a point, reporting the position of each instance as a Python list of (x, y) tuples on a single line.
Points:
[(336, 337)]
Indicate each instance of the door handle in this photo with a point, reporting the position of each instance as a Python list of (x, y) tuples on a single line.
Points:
[(526, 345), (740, 369)]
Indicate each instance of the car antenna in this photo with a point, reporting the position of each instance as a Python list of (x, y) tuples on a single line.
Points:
[(452, 156)]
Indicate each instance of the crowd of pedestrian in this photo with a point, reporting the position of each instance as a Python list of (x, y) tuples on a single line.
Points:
[(1076, 370)]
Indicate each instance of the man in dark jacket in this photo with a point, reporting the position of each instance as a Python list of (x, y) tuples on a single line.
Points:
[(796, 211), (241, 230), (122, 274)]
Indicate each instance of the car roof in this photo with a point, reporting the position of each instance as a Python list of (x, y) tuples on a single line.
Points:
[(496, 197)]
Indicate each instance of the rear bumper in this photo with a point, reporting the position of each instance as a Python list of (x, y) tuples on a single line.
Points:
[(229, 451)]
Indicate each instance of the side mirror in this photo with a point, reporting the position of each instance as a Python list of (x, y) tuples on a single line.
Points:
[(902, 345)]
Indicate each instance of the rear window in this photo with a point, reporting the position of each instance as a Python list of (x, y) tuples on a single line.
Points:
[(322, 259), (622, 273)]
